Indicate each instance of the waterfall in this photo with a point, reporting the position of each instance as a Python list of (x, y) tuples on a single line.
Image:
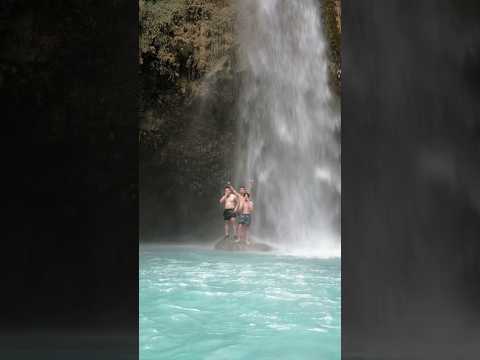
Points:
[(289, 126)]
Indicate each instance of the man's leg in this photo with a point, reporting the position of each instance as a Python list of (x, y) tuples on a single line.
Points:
[(240, 231), (234, 226), (237, 226), (226, 228), (247, 234)]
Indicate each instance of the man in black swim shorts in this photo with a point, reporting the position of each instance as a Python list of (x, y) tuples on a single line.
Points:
[(229, 201), (228, 214)]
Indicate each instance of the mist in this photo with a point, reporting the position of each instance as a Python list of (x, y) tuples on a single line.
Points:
[(410, 174)]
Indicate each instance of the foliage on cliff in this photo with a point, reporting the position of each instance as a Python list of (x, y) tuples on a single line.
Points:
[(331, 14), (182, 40), (183, 45)]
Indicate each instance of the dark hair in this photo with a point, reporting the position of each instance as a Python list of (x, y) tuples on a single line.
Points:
[(247, 193), (240, 187)]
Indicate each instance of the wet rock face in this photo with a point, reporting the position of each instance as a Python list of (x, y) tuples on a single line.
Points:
[(187, 128)]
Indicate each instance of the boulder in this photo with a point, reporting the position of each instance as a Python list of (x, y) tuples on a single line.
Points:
[(229, 244)]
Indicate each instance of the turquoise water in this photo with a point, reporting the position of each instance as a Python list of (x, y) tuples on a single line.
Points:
[(203, 304)]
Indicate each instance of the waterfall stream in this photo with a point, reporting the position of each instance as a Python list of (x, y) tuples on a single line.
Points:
[(289, 126)]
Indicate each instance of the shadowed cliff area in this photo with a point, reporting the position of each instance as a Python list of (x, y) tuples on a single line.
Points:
[(410, 175)]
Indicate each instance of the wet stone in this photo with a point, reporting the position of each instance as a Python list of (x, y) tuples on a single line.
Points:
[(229, 244)]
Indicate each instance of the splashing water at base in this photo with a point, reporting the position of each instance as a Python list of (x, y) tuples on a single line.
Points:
[(289, 128), (203, 304)]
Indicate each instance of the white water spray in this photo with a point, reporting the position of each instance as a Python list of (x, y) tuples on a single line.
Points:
[(288, 128)]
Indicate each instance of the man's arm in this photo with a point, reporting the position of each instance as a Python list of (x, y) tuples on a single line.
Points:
[(250, 187), (239, 203), (235, 192), (223, 198)]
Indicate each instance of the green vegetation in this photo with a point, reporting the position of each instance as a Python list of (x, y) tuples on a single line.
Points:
[(182, 40), (331, 14)]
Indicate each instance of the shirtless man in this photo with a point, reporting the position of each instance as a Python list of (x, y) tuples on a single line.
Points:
[(244, 190), (241, 192), (229, 201), (245, 210)]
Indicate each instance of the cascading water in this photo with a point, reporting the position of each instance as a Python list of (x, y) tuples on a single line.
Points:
[(288, 125)]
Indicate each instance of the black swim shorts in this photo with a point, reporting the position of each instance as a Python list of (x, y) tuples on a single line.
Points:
[(228, 214)]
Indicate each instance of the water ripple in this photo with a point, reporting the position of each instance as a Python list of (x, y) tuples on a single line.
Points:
[(198, 304)]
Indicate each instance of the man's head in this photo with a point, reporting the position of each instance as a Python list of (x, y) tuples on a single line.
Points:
[(227, 190), (242, 190)]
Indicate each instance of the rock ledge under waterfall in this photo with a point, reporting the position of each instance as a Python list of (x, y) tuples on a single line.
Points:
[(230, 244)]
